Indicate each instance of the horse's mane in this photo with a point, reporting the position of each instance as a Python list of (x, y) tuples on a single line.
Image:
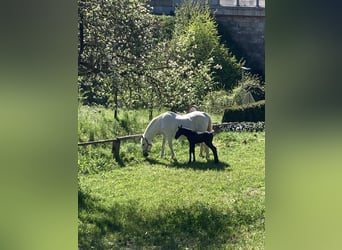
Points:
[(150, 123)]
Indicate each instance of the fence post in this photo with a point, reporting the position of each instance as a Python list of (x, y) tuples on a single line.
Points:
[(257, 3), (116, 149), (238, 3)]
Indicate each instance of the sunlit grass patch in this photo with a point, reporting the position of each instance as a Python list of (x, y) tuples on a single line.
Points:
[(160, 203)]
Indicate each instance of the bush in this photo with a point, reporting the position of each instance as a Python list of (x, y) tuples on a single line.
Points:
[(251, 84), (253, 112), (196, 29)]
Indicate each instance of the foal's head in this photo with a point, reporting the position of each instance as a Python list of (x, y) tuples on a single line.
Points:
[(181, 131)]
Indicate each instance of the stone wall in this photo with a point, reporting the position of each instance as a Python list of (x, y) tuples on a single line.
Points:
[(239, 127), (244, 32)]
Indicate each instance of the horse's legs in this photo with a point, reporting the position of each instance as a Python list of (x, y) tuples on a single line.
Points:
[(169, 140), (204, 147), (201, 150), (206, 151), (163, 147)]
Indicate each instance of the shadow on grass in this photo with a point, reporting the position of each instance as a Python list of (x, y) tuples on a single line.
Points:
[(209, 165), (130, 226)]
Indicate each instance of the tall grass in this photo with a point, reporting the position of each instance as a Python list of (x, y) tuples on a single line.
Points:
[(96, 122)]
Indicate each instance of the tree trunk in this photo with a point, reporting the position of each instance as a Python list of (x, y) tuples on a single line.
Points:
[(151, 107), (115, 93), (150, 116)]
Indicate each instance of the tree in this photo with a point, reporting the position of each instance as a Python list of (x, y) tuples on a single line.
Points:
[(114, 38)]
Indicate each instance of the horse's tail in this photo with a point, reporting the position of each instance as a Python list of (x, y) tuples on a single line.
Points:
[(210, 125)]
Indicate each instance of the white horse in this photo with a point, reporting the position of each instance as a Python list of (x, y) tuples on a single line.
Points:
[(167, 124)]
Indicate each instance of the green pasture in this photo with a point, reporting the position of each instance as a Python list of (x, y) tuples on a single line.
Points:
[(154, 203)]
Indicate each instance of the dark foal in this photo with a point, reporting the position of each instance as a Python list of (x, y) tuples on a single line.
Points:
[(194, 138)]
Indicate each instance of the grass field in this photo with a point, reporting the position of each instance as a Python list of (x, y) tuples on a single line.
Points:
[(154, 203)]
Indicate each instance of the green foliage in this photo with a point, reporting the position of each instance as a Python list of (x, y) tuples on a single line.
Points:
[(197, 30), (252, 79), (164, 27), (227, 69), (187, 11), (217, 101), (253, 112)]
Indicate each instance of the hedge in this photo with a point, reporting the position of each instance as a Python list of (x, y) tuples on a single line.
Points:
[(253, 112)]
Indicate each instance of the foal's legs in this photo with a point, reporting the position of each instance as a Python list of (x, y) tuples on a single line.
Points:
[(213, 148), (192, 151)]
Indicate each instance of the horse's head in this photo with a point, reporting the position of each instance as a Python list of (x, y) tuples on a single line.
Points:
[(146, 146)]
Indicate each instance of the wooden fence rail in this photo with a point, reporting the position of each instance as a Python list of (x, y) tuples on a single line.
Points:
[(116, 143)]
